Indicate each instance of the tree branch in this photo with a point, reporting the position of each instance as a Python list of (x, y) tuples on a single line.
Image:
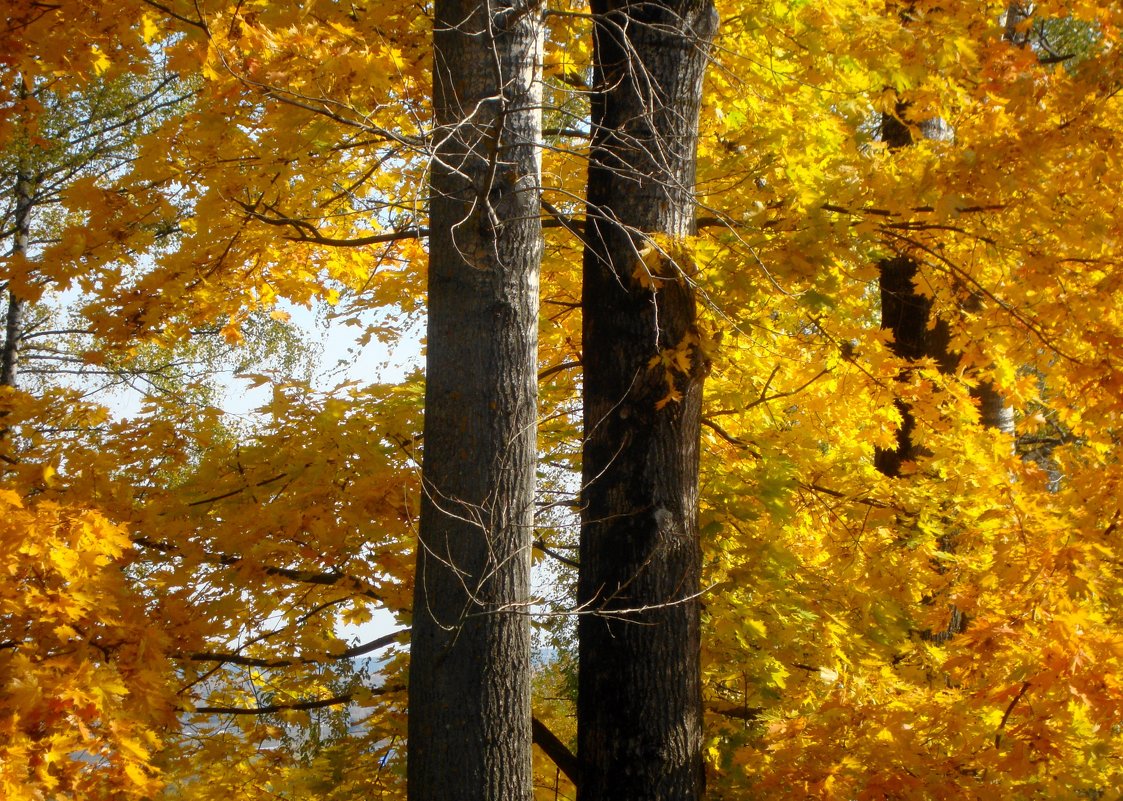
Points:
[(557, 368), (264, 483), (336, 700), (555, 749), (813, 487), (293, 574), (250, 661), (296, 706), (1006, 714), (732, 440), (565, 560)]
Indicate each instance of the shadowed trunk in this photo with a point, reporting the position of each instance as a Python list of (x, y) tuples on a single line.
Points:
[(917, 336), (639, 704), (907, 313)]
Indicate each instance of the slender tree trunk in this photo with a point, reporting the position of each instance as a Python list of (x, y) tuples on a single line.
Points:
[(994, 411), (1016, 14), (639, 711), (469, 695), (906, 312), (13, 321)]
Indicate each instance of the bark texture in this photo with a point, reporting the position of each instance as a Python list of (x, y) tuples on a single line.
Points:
[(639, 692), (469, 694)]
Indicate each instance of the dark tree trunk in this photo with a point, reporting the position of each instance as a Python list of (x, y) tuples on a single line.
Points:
[(639, 711), (469, 694), (907, 313)]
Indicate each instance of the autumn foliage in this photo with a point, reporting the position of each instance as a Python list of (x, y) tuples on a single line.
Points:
[(179, 581)]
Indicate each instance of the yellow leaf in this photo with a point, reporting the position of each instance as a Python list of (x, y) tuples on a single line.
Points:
[(648, 267), (232, 333), (101, 62), (148, 28), (133, 747), (135, 773)]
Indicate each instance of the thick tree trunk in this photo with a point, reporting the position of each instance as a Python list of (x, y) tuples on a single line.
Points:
[(469, 695), (639, 711)]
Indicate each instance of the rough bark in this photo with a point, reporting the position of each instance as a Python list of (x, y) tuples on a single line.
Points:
[(469, 695), (639, 710)]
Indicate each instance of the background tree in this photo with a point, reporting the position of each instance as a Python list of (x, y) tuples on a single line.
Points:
[(125, 693), (68, 139), (843, 655)]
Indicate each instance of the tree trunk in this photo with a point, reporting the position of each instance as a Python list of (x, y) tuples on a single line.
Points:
[(905, 311), (13, 322), (908, 314), (994, 411), (469, 694), (639, 711)]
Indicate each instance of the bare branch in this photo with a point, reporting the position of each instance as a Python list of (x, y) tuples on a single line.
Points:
[(557, 368), (555, 749), (250, 661)]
